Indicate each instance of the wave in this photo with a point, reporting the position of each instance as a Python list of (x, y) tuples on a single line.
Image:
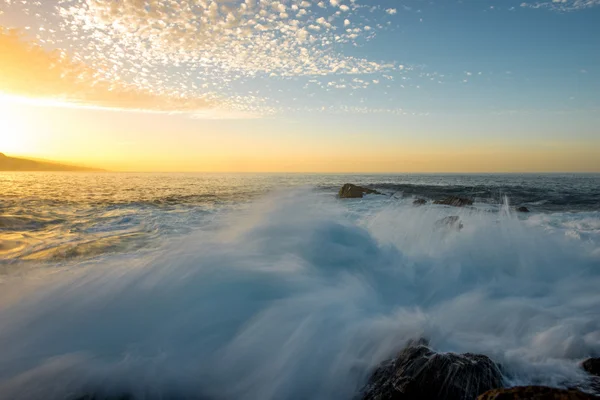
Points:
[(300, 296)]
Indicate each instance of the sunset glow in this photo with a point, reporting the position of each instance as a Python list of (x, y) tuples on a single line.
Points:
[(16, 137)]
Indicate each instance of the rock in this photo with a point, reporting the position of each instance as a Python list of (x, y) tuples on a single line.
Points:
[(103, 397), (350, 191), (455, 201), (419, 373), (452, 222), (535, 393), (419, 202), (592, 366), (523, 209)]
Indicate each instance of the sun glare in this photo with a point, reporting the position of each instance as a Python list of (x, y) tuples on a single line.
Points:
[(14, 138)]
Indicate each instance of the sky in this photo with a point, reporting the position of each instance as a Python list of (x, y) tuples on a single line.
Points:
[(303, 86)]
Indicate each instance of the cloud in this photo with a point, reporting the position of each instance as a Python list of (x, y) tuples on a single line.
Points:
[(28, 70), (391, 11), (166, 55), (228, 37), (563, 5)]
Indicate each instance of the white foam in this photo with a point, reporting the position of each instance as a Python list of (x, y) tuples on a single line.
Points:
[(298, 297)]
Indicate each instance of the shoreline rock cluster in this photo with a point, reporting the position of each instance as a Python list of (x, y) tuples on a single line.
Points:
[(352, 191), (419, 373)]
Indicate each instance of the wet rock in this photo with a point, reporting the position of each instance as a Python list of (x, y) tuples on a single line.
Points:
[(523, 209), (535, 393), (592, 366), (455, 201), (131, 397), (419, 202), (419, 373), (452, 222), (102, 397), (350, 191)]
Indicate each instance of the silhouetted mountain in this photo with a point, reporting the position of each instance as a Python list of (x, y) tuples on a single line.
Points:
[(22, 164)]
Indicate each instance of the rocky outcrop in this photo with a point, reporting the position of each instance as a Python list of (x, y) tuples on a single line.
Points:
[(451, 222), (455, 201), (419, 373), (350, 191), (523, 209), (535, 393), (592, 366), (420, 202), (102, 397)]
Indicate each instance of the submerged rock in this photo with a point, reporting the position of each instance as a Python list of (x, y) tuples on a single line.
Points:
[(350, 191), (535, 393), (592, 366), (455, 201), (419, 202), (452, 222), (419, 373), (523, 209)]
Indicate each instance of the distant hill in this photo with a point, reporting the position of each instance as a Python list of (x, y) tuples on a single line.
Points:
[(22, 164)]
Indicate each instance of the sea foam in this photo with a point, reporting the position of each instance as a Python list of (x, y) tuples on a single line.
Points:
[(299, 296)]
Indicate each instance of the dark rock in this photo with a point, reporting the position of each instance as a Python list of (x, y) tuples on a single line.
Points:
[(419, 373), (102, 397), (452, 222), (455, 201), (523, 209), (350, 191), (419, 202), (592, 366), (535, 393)]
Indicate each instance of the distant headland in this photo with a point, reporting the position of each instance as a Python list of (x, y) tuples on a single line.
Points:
[(23, 164)]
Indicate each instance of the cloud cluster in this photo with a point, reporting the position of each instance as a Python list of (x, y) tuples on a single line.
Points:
[(249, 37), (29, 70), (563, 5), (176, 55)]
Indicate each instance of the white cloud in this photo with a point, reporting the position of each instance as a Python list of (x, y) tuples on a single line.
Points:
[(198, 49), (563, 5), (391, 11)]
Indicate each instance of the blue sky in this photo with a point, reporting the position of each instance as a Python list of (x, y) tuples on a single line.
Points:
[(467, 72)]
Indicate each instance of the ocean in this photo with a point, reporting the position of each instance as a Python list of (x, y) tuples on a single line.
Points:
[(267, 286)]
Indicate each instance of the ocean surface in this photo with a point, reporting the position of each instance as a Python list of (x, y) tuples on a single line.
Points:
[(221, 286)]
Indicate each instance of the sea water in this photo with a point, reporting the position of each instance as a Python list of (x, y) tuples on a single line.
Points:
[(215, 286)]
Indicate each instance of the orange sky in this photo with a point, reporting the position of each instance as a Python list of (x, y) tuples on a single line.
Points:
[(161, 142)]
